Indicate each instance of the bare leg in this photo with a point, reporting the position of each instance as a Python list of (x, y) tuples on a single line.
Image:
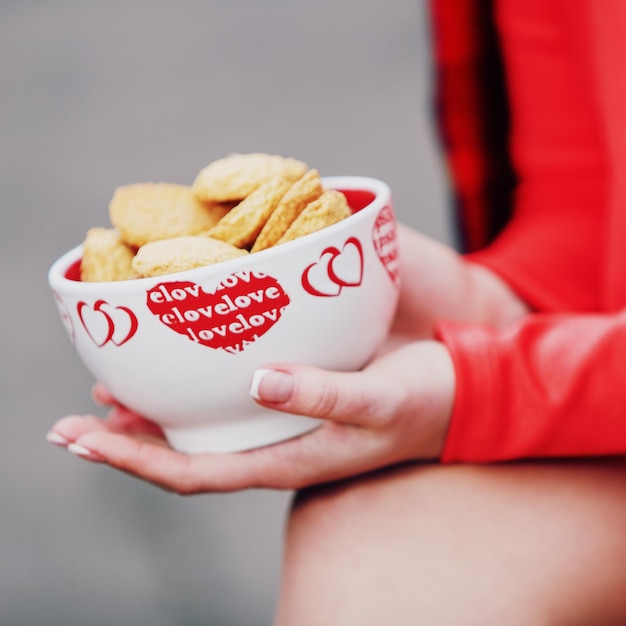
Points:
[(528, 544)]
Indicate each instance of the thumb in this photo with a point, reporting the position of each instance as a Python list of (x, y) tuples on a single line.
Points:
[(349, 397)]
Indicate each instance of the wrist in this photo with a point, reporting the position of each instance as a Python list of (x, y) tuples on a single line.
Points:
[(495, 304)]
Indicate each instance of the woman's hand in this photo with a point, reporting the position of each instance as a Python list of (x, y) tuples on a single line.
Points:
[(396, 409)]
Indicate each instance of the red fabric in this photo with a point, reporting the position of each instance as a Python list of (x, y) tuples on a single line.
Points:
[(555, 384), (473, 117)]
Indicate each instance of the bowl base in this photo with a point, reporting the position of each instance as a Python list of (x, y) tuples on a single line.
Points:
[(258, 432)]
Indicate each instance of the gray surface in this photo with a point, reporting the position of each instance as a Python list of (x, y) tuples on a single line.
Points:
[(95, 95)]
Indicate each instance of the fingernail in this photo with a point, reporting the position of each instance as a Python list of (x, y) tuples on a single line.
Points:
[(84, 453), (271, 386), (57, 440)]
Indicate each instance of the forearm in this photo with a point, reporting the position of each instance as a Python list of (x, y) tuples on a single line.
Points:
[(438, 283)]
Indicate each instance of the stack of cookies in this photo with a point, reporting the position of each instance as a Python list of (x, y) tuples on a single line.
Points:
[(237, 205)]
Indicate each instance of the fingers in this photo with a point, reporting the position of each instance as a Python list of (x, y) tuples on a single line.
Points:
[(348, 397), (69, 430), (124, 442), (72, 427), (102, 396), (121, 419), (182, 473)]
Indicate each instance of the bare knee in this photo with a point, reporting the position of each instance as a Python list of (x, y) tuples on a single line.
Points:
[(459, 545)]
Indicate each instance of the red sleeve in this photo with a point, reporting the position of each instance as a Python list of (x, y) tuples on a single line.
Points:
[(550, 252), (555, 383)]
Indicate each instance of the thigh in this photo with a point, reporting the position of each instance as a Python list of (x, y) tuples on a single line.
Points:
[(528, 543)]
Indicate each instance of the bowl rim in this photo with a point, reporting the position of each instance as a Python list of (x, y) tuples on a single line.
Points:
[(58, 281)]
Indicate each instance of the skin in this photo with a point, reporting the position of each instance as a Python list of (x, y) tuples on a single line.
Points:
[(396, 409), (520, 544)]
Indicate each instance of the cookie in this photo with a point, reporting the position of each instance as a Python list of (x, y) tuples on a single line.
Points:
[(236, 176), (297, 197), (178, 254), (242, 224), (152, 211), (329, 208), (106, 257)]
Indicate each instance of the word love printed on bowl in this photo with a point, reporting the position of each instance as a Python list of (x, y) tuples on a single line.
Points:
[(386, 242), (242, 308)]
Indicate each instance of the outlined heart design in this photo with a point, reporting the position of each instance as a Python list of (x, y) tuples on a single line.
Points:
[(241, 309), (105, 323), (385, 238), (334, 270)]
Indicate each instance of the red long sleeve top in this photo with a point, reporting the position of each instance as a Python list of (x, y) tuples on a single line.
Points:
[(553, 384)]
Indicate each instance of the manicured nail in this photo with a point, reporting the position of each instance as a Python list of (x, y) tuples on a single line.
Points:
[(57, 440), (271, 386), (84, 453)]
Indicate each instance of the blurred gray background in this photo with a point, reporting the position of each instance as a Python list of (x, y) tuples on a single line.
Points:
[(98, 94)]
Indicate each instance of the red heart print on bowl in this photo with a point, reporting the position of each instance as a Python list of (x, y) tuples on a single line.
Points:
[(105, 323), (385, 239), (241, 309), (335, 269)]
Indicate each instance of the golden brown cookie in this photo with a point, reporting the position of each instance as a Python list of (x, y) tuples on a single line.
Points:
[(106, 257), (297, 197), (329, 208), (151, 211), (236, 176), (178, 254), (242, 224)]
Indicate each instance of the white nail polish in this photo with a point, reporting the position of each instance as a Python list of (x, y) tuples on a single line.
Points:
[(56, 439), (257, 377), (79, 450)]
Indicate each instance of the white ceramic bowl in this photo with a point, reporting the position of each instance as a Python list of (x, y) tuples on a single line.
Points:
[(181, 349)]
